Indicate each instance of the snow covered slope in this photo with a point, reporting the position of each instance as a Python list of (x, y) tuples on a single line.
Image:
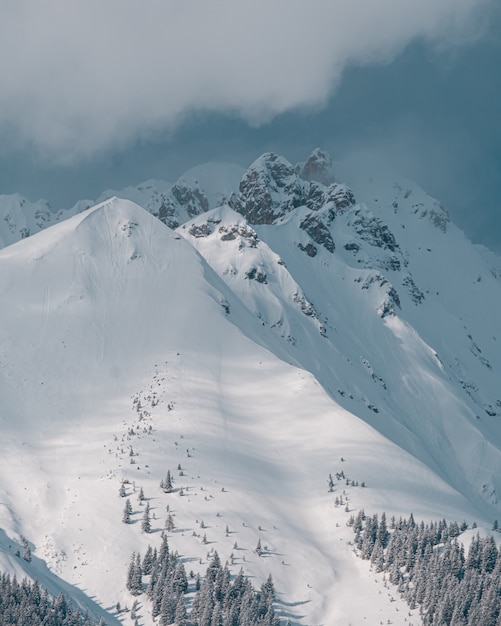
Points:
[(403, 303), (305, 328)]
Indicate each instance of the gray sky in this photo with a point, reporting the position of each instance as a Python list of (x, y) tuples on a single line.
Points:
[(115, 92)]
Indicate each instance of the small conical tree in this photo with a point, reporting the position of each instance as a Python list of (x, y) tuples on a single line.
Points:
[(331, 483), (259, 549), (121, 492), (27, 551), (169, 523), (127, 512), (268, 588), (146, 523), (167, 483), (148, 561)]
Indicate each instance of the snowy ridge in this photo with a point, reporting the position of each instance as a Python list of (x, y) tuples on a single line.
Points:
[(20, 218), (231, 246), (347, 331)]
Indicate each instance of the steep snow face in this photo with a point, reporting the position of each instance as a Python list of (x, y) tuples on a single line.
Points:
[(253, 271), (95, 274), (378, 277)]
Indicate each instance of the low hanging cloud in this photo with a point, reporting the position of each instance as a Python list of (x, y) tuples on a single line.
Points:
[(81, 77)]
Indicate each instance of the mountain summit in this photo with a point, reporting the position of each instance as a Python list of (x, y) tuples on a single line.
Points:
[(292, 350)]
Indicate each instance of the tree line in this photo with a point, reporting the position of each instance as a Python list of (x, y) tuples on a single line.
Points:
[(431, 569), (26, 603), (218, 600)]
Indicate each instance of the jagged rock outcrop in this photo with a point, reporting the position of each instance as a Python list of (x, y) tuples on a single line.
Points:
[(317, 168), (271, 188)]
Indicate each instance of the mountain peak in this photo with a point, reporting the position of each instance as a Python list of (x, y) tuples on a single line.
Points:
[(318, 167), (286, 336), (272, 187)]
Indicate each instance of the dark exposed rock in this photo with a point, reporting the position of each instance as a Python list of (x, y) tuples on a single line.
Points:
[(437, 214), (318, 231), (305, 306), (391, 262), (258, 275), (200, 230), (193, 199), (392, 300), (417, 296), (309, 248), (351, 247), (341, 196), (164, 208), (271, 188), (372, 230), (317, 168), (229, 233)]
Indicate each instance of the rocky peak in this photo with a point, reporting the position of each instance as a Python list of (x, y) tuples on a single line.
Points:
[(173, 207), (272, 187), (317, 168), (269, 189)]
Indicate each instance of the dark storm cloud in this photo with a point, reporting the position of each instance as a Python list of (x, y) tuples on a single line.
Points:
[(79, 78)]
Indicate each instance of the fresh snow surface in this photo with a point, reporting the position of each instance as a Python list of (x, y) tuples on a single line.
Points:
[(128, 349)]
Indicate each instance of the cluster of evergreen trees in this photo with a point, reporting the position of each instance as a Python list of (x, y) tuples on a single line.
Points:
[(27, 604), (218, 601), (431, 570)]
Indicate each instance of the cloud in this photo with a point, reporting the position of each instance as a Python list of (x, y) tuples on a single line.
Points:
[(79, 78)]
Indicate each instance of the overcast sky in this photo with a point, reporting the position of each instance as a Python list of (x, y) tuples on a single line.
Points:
[(104, 94)]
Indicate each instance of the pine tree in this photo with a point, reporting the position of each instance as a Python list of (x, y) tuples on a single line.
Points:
[(166, 484), (168, 606), (180, 580), (268, 588), (26, 551), (121, 492), (169, 523), (331, 483), (134, 576), (259, 549), (127, 512), (146, 523), (217, 615), (148, 561), (180, 616)]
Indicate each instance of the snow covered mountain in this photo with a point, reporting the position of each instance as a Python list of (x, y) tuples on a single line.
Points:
[(292, 326), (198, 190)]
